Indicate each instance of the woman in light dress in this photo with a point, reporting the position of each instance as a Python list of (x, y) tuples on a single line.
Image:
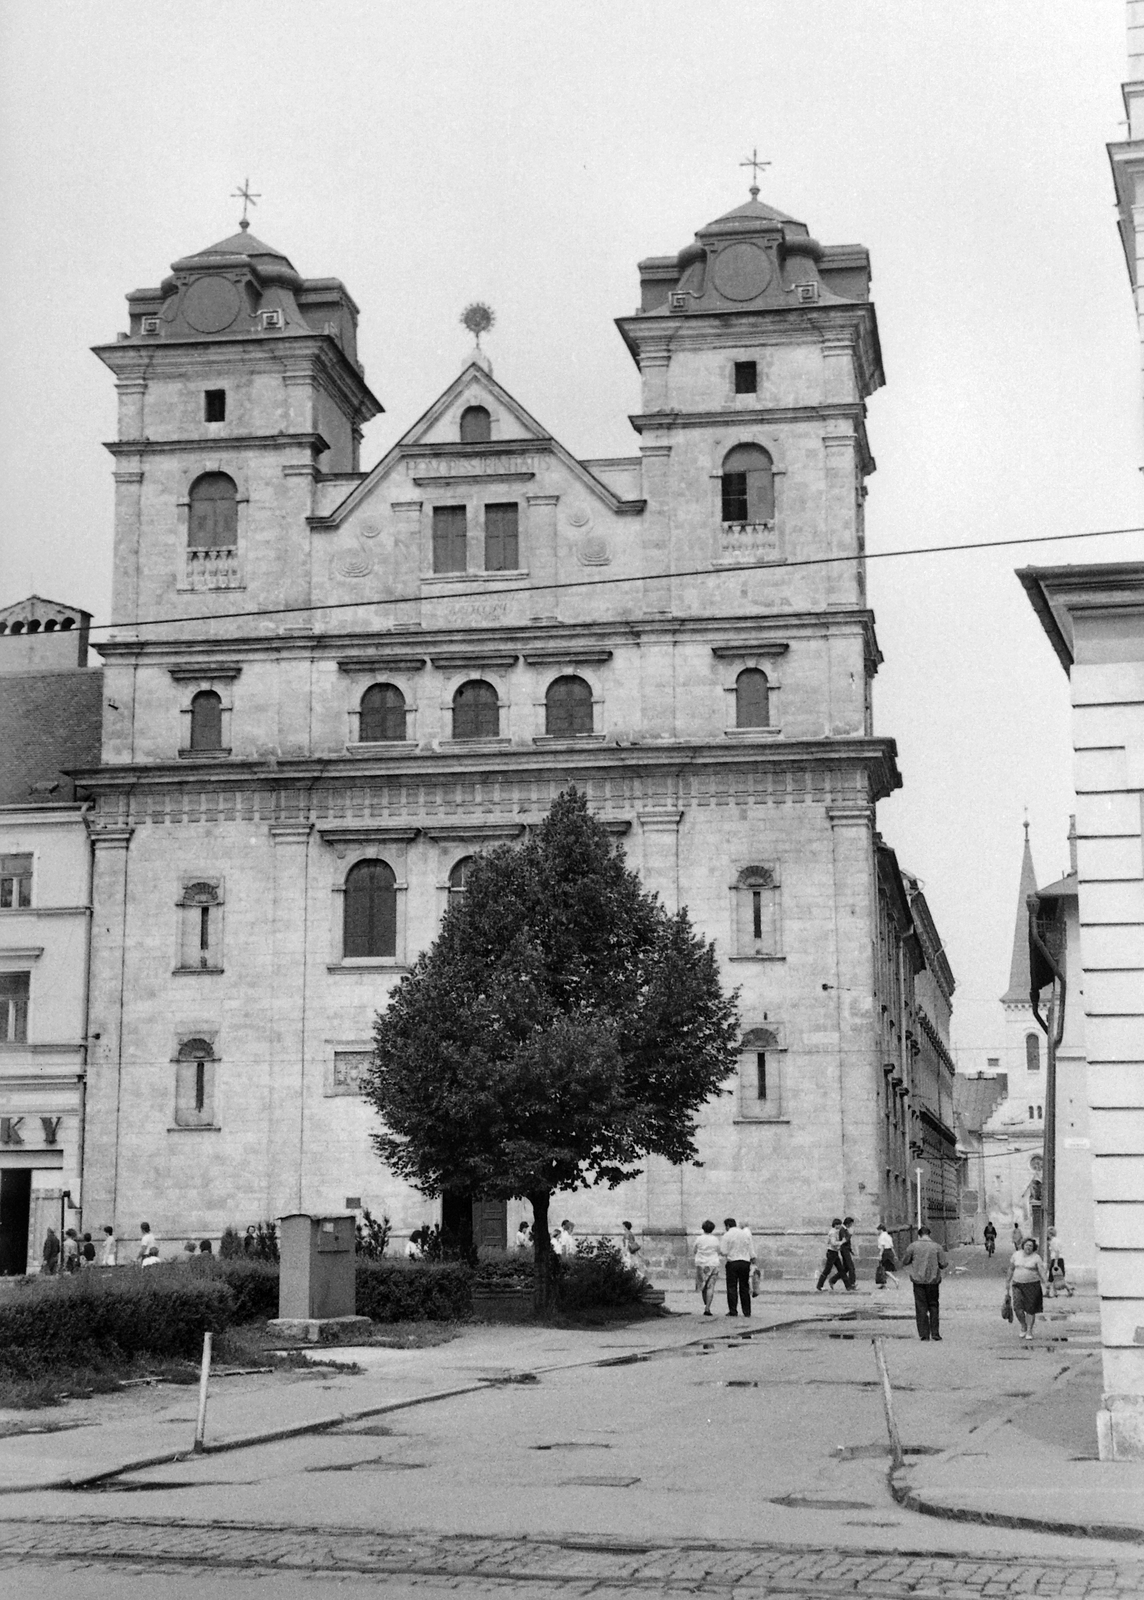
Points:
[(1026, 1283), (707, 1264), (630, 1248)]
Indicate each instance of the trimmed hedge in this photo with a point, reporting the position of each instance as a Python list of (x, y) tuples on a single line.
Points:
[(254, 1285), (163, 1311), (414, 1291)]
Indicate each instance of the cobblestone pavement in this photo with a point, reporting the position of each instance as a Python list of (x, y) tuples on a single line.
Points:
[(538, 1567)]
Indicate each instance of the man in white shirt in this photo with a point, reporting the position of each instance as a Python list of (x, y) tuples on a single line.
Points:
[(567, 1244), (738, 1251)]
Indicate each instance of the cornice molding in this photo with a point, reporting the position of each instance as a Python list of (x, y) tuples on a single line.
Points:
[(314, 442)]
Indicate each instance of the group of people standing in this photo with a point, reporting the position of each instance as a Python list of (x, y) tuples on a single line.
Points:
[(75, 1252)]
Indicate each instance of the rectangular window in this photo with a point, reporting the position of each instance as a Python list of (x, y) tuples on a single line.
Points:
[(350, 1066), (734, 497), (502, 538), (746, 377), (200, 937), (14, 988), (15, 881), (195, 1094), (214, 405), (450, 539), (761, 1074), (757, 912)]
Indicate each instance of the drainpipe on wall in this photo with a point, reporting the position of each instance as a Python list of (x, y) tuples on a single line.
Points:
[(1046, 947)]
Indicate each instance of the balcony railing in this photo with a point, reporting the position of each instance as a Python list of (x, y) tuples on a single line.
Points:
[(213, 569), (749, 541)]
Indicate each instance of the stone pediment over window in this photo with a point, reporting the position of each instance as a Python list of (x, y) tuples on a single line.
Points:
[(733, 652), (381, 664), (474, 660), (344, 835), (192, 671), (474, 831), (554, 656)]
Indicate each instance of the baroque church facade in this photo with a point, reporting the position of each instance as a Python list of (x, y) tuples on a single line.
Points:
[(358, 681)]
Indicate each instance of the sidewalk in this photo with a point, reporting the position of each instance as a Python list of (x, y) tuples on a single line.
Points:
[(246, 1411), (1035, 1466)]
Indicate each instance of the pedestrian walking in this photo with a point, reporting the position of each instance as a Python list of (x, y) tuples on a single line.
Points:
[(109, 1248), (630, 1247), (989, 1234), (926, 1262), (72, 1257), (148, 1247), (51, 1254), (1055, 1251), (566, 1245), (846, 1251), (707, 1263), (1025, 1284), (738, 1251), (887, 1265), (1018, 1235), (832, 1267)]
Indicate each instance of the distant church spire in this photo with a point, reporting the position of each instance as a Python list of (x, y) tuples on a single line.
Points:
[(1019, 976)]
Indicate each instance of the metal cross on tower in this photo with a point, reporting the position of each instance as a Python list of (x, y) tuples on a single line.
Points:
[(756, 166), (243, 193)]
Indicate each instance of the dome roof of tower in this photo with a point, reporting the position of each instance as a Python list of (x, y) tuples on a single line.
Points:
[(752, 211), (242, 244)]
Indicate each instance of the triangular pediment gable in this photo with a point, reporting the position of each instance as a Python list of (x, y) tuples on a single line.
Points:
[(437, 432)]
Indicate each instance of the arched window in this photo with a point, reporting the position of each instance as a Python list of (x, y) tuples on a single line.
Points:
[(459, 876), (213, 520), (206, 721), (476, 713), (382, 714), (752, 699), (194, 1084), (757, 912), (371, 911), (1032, 1052), (760, 1069), (568, 708), (476, 425), (748, 485)]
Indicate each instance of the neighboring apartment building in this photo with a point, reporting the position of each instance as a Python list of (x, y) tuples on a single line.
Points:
[(49, 724), (403, 667)]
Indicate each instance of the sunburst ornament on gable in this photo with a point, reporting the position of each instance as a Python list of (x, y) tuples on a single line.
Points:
[(478, 318)]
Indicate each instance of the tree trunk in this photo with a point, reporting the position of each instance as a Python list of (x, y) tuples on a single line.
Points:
[(544, 1291)]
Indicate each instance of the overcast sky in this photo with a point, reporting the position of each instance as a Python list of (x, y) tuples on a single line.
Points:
[(530, 154)]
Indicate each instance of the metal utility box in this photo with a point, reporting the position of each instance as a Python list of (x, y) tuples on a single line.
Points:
[(316, 1268)]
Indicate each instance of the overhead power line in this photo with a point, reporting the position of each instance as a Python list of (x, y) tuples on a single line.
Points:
[(483, 591)]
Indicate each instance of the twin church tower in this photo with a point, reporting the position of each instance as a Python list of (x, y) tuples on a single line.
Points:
[(326, 691)]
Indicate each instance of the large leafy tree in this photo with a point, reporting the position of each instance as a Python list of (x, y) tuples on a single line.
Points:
[(562, 1027)]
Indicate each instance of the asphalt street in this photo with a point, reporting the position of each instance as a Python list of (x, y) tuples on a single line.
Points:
[(747, 1463)]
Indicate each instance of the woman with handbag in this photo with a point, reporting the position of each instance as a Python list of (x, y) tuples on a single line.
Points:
[(1026, 1283), (707, 1264)]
